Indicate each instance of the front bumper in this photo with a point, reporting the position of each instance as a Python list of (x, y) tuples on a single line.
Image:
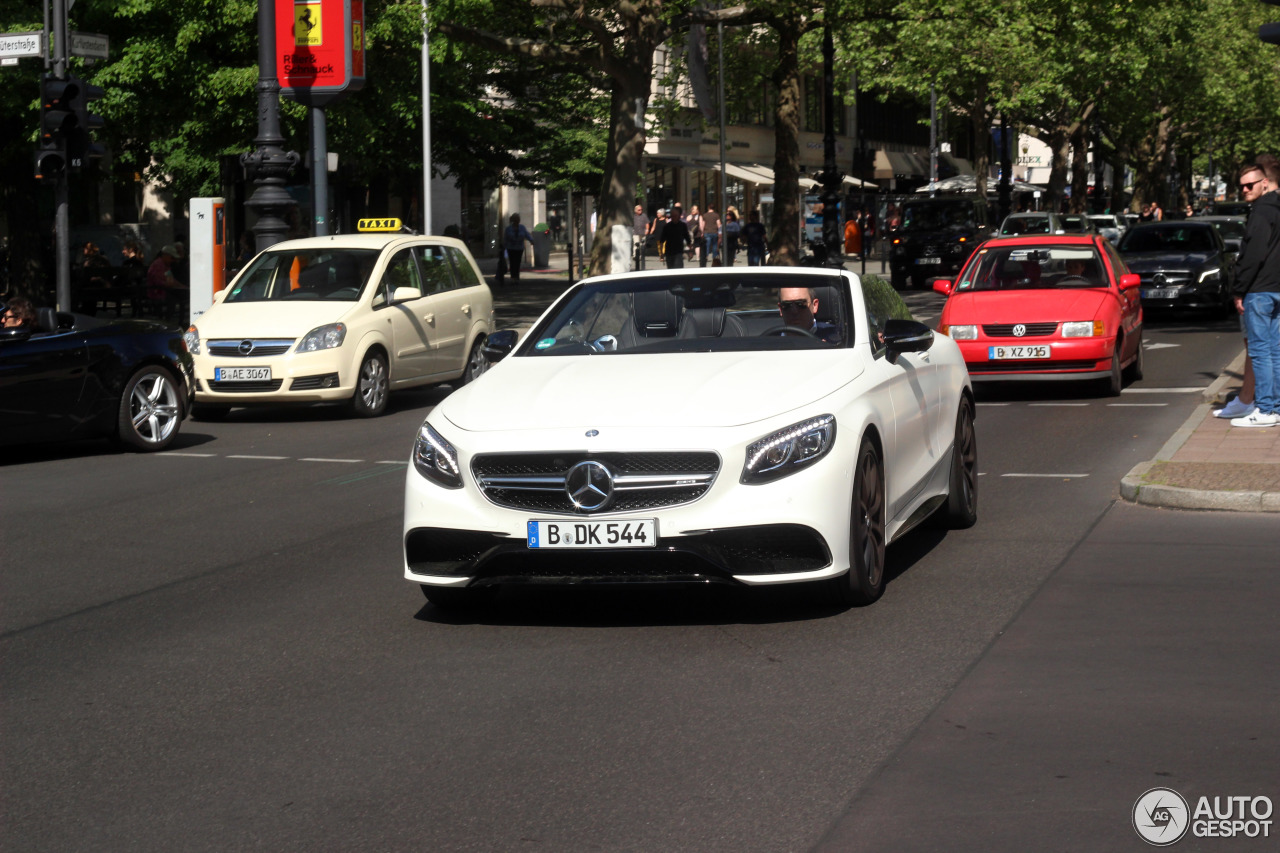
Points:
[(314, 377), (1079, 358)]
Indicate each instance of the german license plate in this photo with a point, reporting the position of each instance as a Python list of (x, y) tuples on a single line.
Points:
[(1158, 293), (999, 353), (241, 374), (928, 261), (637, 533)]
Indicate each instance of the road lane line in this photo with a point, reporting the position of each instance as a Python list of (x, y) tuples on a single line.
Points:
[(1058, 404), (1049, 476), (320, 459), (1181, 390), (1137, 405), (247, 456), (180, 453), (391, 462)]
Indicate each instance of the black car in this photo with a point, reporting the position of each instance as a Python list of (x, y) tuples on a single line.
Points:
[(75, 376), (935, 238), (1182, 264)]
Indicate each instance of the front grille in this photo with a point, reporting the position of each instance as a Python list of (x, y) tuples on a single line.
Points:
[(262, 386), (643, 480), (704, 557), (1039, 366), (308, 383), (1005, 330), (261, 348), (1167, 279)]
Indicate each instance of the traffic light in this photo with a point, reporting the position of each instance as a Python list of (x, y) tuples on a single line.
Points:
[(78, 96), (56, 122), (1270, 33)]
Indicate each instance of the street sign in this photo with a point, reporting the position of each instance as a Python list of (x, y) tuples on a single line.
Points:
[(13, 46), (89, 45), (319, 49)]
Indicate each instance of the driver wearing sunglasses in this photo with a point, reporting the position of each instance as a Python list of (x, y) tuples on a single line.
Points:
[(799, 308)]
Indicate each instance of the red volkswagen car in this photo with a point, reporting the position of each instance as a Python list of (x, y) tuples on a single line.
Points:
[(1041, 308)]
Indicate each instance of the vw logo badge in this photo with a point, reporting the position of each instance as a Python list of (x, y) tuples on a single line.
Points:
[(246, 347), (589, 486), (1019, 330)]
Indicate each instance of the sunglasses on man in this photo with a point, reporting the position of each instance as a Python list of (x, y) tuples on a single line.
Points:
[(794, 305), (1248, 185)]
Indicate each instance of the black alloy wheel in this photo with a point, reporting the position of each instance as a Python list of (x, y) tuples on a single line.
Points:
[(863, 584), (961, 509)]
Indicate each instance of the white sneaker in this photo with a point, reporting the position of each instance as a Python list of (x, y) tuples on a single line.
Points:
[(1258, 419), (1235, 409)]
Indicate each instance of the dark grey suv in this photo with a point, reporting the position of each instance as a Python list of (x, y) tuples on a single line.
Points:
[(936, 237)]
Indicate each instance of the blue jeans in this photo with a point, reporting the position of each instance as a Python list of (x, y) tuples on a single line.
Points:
[(755, 256), (1262, 325)]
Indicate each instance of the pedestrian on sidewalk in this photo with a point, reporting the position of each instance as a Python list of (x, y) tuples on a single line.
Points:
[(694, 223), (514, 236), (675, 236), (1257, 291), (753, 232), (640, 229), (710, 237), (732, 231)]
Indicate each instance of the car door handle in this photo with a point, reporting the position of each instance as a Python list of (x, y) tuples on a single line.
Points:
[(466, 309), (430, 318)]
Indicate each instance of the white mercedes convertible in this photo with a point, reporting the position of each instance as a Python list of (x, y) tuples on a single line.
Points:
[(750, 426)]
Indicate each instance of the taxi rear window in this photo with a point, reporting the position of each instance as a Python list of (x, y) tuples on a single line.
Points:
[(306, 275)]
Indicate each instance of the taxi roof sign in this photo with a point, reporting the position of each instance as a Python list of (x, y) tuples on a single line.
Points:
[(379, 225)]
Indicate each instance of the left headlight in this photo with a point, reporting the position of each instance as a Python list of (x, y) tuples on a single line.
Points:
[(323, 337), (1084, 329), (192, 338), (436, 458), (788, 450), (1210, 273)]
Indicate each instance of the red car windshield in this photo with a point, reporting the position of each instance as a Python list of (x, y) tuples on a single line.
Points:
[(1034, 268)]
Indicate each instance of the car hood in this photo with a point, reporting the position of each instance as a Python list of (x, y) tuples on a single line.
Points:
[(1025, 306), (286, 319), (661, 390), (1145, 261)]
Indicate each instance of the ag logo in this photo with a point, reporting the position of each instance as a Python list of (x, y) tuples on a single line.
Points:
[(1161, 817)]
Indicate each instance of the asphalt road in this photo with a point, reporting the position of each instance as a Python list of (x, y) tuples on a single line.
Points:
[(214, 648)]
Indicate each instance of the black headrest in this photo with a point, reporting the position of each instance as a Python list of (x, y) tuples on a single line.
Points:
[(705, 322), (829, 308), (47, 319), (657, 313)]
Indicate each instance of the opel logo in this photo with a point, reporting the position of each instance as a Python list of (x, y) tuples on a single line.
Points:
[(589, 486), (246, 347), (1019, 330)]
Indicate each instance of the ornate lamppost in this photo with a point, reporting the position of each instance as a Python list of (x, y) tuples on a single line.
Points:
[(269, 164)]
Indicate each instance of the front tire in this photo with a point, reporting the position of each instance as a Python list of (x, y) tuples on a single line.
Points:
[(1136, 368), (372, 387), (150, 410), (961, 509), (1112, 385), (863, 584), (477, 364)]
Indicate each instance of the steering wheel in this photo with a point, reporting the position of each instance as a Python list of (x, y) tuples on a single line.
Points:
[(784, 329), (1074, 281)]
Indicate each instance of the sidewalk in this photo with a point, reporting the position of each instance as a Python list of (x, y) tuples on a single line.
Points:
[(1208, 464)]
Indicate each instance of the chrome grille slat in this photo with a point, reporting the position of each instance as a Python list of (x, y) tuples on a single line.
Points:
[(1005, 330), (536, 481), (262, 347)]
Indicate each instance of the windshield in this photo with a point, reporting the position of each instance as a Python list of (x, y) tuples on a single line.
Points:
[(1025, 225), (305, 274), (1230, 229), (1174, 237), (937, 215), (1034, 268), (702, 313), (1104, 221)]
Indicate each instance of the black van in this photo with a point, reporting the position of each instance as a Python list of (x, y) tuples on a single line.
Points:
[(936, 237)]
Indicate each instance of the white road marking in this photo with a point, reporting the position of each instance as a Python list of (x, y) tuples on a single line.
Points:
[(246, 456), (318, 459), (180, 453), (1182, 390), (1147, 346), (1058, 404), (1137, 405), (1049, 476), (391, 462)]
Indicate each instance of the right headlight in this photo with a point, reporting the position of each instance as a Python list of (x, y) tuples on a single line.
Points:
[(788, 450), (323, 337), (436, 458), (192, 338), (962, 333)]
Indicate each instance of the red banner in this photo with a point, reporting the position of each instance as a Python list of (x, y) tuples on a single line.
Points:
[(319, 49)]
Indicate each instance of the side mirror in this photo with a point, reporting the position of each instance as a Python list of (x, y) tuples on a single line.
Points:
[(1130, 280), (499, 345), (944, 286), (906, 336), (220, 295), (406, 294)]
